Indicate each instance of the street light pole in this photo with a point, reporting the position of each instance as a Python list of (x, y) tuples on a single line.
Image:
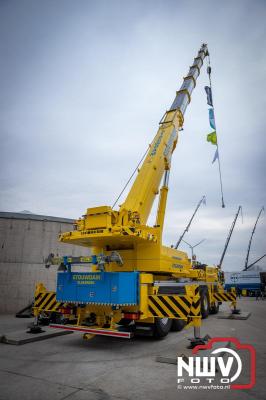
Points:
[(192, 247)]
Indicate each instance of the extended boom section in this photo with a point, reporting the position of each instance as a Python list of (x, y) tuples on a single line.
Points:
[(134, 283), (103, 227)]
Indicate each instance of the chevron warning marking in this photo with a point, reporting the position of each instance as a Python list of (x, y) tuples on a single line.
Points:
[(46, 301), (169, 306)]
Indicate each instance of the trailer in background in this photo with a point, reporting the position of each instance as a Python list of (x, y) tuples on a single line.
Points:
[(246, 282)]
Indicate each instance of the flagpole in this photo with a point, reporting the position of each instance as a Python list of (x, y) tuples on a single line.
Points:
[(219, 164), (220, 174)]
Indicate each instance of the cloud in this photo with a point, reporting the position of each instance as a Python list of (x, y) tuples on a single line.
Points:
[(85, 85)]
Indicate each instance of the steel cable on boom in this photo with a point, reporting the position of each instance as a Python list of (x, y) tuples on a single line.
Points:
[(131, 176)]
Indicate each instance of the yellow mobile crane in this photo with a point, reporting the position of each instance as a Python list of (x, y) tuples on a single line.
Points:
[(136, 284)]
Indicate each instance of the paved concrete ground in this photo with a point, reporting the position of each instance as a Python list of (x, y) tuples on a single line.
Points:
[(70, 368)]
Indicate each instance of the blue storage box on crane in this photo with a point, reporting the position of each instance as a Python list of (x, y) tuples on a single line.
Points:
[(109, 288)]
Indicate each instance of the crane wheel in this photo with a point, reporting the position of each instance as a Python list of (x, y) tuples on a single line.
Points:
[(161, 327), (205, 303), (178, 325), (214, 309)]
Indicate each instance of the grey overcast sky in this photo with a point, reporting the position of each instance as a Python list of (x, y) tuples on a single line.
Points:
[(84, 84)]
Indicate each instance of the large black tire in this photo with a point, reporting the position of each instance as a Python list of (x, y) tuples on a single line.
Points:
[(214, 309), (56, 318), (125, 322), (204, 303), (161, 327), (178, 325)]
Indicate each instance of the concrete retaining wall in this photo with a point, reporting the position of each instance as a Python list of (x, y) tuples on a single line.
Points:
[(25, 241)]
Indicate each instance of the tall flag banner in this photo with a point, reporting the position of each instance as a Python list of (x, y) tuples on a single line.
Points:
[(209, 95), (216, 156), (212, 137), (212, 119)]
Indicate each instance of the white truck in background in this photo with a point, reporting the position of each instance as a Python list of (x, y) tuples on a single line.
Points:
[(253, 282)]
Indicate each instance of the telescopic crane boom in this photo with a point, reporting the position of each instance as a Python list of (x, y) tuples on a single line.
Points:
[(158, 161), (202, 200), (255, 262), (103, 227), (229, 236), (251, 237)]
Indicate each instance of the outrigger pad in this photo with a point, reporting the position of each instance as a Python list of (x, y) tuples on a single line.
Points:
[(241, 316), (166, 360), (35, 329), (21, 337), (198, 341), (236, 311)]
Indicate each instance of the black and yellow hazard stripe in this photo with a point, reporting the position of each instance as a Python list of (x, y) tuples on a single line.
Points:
[(170, 306), (226, 296), (195, 310), (46, 301)]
